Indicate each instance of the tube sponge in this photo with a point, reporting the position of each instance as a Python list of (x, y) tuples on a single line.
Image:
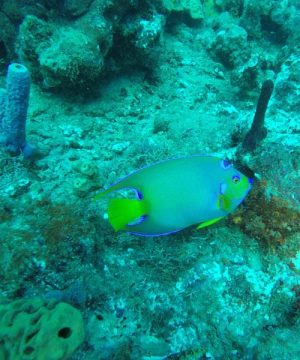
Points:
[(258, 131), (36, 328), (2, 113), (14, 115)]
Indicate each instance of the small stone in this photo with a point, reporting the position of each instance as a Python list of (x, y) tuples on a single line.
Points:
[(120, 147)]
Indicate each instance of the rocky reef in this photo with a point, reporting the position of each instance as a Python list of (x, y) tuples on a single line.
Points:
[(117, 86)]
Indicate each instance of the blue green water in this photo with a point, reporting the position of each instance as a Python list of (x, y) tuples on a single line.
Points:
[(117, 86)]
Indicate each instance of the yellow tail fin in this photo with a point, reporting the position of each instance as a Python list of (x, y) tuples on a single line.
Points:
[(121, 212)]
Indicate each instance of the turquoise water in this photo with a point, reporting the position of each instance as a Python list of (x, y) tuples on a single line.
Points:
[(117, 86)]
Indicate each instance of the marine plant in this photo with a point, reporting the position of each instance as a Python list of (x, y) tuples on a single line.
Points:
[(270, 220)]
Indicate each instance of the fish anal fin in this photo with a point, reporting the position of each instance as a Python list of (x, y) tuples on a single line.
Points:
[(122, 212), (209, 222)]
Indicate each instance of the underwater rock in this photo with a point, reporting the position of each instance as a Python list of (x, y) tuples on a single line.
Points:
[(12, 9), (276, 22), (120, 147), (193, 7), (34, 36), (287, 84), (234, 7), (65, 58), (7, 39), (99, 29), (76, 7), (246, 76), (272, 19), (231, 46), (143, 32), (73, 55), (161, 125), (72, 60), (18, 188), (137, 39), (75, 294), (153, 346)]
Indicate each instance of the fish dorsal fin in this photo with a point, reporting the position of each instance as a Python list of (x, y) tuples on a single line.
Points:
[(209, 222), (122, 212)]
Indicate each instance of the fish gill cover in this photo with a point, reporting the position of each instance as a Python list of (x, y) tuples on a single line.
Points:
[(120, 85)]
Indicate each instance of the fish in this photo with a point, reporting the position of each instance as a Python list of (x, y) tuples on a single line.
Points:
[(174, 194)]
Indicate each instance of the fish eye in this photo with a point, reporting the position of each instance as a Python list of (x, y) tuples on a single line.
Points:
[(236, 179)]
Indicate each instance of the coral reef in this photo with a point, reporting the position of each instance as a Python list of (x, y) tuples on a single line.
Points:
[(164, 84)]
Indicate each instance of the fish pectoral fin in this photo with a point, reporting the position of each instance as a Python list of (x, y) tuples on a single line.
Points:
[(209, 222), (122, 212), (223, 203)]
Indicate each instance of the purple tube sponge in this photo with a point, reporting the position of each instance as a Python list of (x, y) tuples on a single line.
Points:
[(2, 113), (14, 115)]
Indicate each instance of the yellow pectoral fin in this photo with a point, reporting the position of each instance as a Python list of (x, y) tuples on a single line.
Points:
[(122, 212), (209, 222)]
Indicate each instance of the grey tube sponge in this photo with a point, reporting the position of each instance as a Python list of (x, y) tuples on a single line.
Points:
[(13, 113)]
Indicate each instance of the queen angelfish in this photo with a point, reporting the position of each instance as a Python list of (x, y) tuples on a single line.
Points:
[(177, 193)]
